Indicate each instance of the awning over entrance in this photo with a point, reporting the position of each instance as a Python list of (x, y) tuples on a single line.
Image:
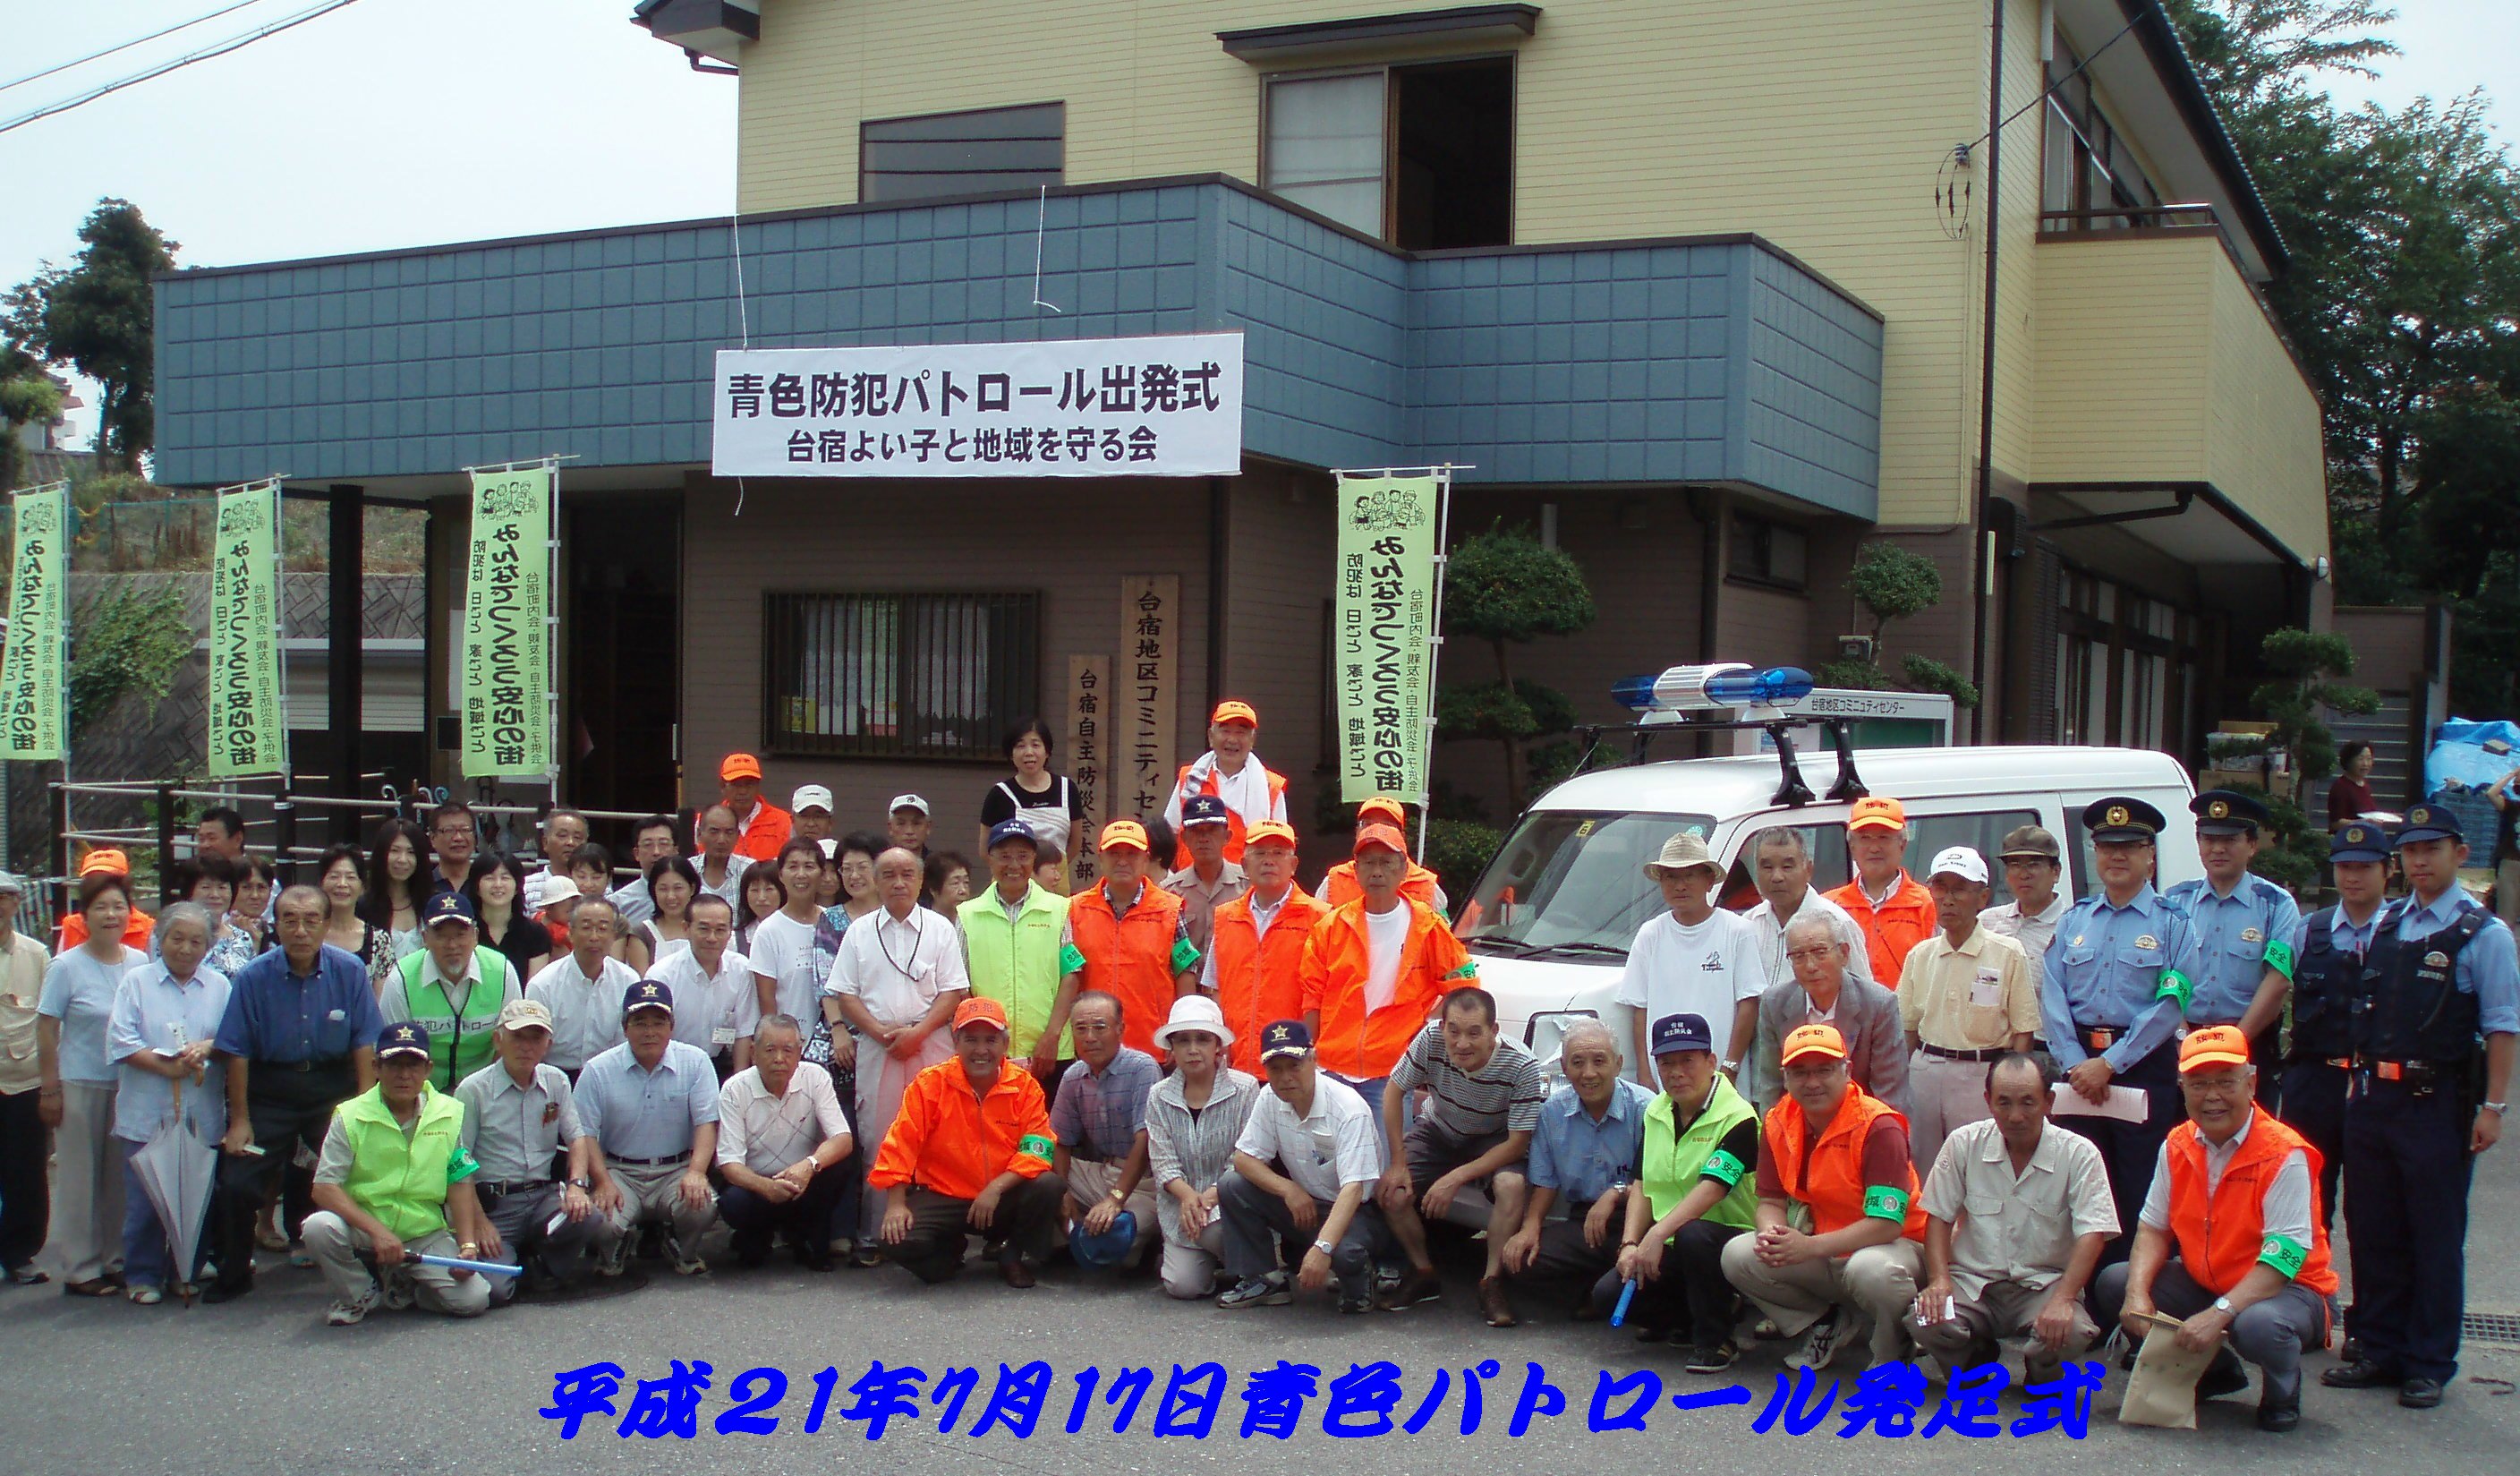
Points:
[(2189, 522)]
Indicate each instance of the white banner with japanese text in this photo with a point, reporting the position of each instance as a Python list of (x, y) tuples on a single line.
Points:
[(1163, 406), (1384, 612)]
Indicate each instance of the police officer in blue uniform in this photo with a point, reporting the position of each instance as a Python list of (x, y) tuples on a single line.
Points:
[(2244, 926), (2434, 1023), (2117, 978), (2327, 952)]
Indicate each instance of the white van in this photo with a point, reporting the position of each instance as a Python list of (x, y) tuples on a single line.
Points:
[(1550, 919)]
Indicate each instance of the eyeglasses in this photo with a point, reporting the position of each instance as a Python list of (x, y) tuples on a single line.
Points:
[(1799, 954)]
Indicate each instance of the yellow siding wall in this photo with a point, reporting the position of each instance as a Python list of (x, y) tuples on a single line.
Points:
[(1817, 124), (2264, 449)]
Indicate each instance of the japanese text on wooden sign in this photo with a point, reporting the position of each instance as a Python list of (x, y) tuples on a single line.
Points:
[(1142, 771)]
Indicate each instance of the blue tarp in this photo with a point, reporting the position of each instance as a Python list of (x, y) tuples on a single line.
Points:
[(2460, 769)]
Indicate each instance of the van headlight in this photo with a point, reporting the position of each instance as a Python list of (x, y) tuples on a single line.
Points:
[(1544, 1031)]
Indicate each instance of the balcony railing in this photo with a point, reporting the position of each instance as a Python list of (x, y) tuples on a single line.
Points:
[(2129, 218)]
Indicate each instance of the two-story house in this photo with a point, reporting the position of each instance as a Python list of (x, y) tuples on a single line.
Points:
[(1708, 293)]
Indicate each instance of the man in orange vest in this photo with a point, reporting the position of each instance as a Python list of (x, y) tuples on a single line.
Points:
[(1256, 966), (761, 827), (1843, 1156), (969, 1153), (1895, 911), (2231, 1238), (1252, 792), (1339, 887), (1375, 969), (1128, 938)]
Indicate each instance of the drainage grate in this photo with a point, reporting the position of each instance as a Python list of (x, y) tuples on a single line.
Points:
[(2491, 1327)]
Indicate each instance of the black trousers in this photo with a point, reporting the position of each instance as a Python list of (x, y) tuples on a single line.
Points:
[(2407, 1170), (25, 1194), (2314, 1106), (806, 1220), (1691, 1292), (940, 1227), (2133, 1150), (285, 1107)]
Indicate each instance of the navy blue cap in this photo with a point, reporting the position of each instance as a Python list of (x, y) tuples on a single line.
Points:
[(1205, 809), (448, 906), (402, 1038), (1107, 1249), (647, 994), (2430, 822), (2359, 841), (1013, 829), (2121, 818), (1286, 1038), (1678, 1032), (2228, 811)]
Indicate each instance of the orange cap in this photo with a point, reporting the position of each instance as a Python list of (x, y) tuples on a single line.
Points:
[(1384, 804), (1388, 837), (1123, 835), (1234, 709), (106, 859), (1812, 1041), (739, 767), (2213, 1045), (985, 1011), (1278, 831), (1877, 812)]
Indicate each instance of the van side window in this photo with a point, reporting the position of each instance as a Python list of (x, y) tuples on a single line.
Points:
[(1981, 831), (1825, 843)]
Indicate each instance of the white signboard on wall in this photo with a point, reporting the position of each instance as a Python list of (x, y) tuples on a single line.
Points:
[(1168, 406)]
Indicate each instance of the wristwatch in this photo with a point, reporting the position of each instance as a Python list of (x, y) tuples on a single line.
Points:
[(2223, 1305), (1119, 1198), (1729, 1067), (2498, 1109), (1324, 1247), (581, 1183)]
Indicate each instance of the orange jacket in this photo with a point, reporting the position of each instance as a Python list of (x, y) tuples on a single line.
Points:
[(1260, 978), (1134, 957), (135, 933), (1832, 1181), (2222, 1235), (953, 1142), (1351, 1040), (1232, 818), (760, 841), (1340, 887), (1901, 923)]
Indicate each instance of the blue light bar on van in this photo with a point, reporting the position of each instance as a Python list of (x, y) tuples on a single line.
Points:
[(1731, 684)]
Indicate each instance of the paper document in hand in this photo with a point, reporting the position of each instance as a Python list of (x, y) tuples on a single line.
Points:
[(2127, 1104)]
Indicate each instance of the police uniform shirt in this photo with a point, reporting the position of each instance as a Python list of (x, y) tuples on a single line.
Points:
[(2488, 967), (2238, 937), (2104, 972), (2344, 934)]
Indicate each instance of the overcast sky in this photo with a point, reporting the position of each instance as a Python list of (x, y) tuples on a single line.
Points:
[(404, 122)]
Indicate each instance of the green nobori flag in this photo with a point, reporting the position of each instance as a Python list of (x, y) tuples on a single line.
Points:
[(248, 731), (507, 627), (34, 668), (1384, 616)]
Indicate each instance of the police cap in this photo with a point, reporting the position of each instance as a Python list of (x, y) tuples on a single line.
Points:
[(2228, 811), (2121, 818)]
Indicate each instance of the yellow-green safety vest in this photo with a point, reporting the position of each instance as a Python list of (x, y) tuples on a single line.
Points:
[(403, 1181), (1017, 963), (1675, 1161)]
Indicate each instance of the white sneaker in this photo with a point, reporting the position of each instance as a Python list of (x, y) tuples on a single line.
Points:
[(355, 1311), (1820, 1346)]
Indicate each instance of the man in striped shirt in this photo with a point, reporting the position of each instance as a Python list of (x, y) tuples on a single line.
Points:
[(1484, 1096)]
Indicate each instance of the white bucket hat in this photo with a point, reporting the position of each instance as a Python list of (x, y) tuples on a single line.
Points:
[(1195, 1012)]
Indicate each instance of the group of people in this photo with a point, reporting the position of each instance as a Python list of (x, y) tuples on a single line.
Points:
[(1891, 1114)]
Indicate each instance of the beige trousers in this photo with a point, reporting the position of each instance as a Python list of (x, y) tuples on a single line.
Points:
[(336, 1245), (84, 1240), (1878, 1281)]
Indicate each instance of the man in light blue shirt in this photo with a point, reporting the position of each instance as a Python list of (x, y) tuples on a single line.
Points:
[(651, 1105), (1584, 1152), (2244, 927)]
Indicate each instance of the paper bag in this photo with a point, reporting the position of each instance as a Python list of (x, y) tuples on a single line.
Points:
[(2163, 1389)]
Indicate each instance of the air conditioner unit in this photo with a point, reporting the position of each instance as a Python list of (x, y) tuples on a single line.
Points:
[(1855, 648)]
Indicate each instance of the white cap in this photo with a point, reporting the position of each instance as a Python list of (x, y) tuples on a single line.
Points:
[(558, 887), (905, 801), (811, 797), (1959, 862)]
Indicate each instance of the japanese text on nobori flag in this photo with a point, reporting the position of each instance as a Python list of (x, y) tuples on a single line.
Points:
[(34, 668), (507, 634), (1385, 614), (1164, 406), (247, 733)]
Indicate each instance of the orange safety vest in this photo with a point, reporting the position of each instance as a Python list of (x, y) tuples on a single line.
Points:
[(946, 1139), (1340, 887), (1232, 817), (1364, 1044), (1130, 958), (760, 841), (1261, 978), (1904, 920), (1831, 1181), (2222, 1235)]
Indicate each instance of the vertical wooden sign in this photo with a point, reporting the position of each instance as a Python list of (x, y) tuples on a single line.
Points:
[(1149, 695), (1089, 760)]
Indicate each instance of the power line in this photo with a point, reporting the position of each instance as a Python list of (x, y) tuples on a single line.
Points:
[(160, 69), (99, 55)]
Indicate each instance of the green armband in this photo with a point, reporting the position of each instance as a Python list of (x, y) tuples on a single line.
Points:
[(2284, 1254), (1034, 1145), (1185, 955), (1469, 969), (462, 1166), (1070, 958), (1724, 1168), (1882, 1202), (2174, 985), (2279, 957)]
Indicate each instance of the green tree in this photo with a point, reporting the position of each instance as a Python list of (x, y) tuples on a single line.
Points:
[(1506, 589), (98, 316), (27, 397), (1893, 583)]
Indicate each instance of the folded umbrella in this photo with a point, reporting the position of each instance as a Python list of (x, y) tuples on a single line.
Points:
[(176, 1168)]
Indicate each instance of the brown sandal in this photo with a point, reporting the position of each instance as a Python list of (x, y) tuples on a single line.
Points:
[(99, 1288)]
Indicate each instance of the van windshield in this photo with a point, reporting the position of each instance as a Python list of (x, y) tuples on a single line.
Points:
[(1572, 884)]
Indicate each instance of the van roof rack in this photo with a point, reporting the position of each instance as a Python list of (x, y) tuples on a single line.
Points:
[(1791, 790)]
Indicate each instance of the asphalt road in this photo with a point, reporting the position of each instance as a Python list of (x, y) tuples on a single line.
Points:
[(262, 1385)]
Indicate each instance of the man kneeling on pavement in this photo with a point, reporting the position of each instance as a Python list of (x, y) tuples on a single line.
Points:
[(1303, 1165), (969, 1153), (1840, 1158), (520, 1115), (780, 1128), (1696, 1192), (395, 1177), (1584, 1152), (651, 1103)]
